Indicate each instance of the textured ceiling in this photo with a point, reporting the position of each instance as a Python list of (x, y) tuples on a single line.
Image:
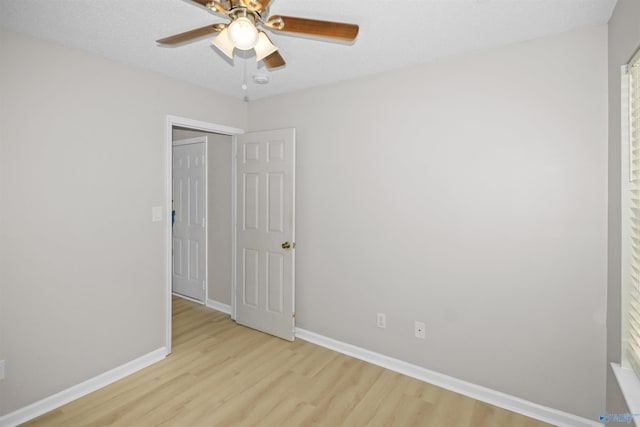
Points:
[(393, 34)]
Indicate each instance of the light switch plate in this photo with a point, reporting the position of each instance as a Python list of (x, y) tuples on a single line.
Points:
[(156, 213), (1, 369)]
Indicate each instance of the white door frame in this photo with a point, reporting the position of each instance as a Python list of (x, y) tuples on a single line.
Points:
[(206, 127)]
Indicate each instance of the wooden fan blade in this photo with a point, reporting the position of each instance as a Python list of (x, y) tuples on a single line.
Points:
[(193, 34), (256, 5), (313, 27), (274, 60), (210, 4)]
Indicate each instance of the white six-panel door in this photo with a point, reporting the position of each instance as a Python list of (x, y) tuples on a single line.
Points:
[(266, 231), (189, 238)]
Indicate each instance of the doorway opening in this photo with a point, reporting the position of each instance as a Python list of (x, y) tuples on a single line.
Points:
[(217, 250), (262, 225)]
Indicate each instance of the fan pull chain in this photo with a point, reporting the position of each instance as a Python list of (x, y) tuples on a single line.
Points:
[(245, 87)]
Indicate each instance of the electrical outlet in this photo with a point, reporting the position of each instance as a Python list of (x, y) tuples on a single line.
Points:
[(419, 329), (1, 369), (382, 320)]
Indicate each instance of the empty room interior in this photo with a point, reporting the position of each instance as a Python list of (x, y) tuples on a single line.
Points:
[(372, 213)]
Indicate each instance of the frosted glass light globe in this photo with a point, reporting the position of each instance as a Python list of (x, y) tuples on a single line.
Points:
[(243, 33)]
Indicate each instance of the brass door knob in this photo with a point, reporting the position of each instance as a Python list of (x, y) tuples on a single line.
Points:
[(286, 245)]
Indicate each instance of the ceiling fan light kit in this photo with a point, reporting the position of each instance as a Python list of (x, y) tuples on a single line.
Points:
[(243, 31), (223, 42), (264, 47)]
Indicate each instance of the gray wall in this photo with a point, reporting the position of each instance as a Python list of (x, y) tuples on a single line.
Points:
[(624, 39), (470, 194), (219, 219), (82, 161)]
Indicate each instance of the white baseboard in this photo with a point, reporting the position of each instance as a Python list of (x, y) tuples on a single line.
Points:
[(493, 397), (72, 393), (187, 298), (224, 308)]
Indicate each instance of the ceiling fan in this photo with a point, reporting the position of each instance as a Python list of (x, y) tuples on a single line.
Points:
[(242, 31)]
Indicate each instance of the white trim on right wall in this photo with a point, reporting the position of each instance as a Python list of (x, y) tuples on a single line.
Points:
[(630, 388), (218, 306), (487, 395)]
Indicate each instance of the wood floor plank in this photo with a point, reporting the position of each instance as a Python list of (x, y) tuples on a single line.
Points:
[(223, 374)]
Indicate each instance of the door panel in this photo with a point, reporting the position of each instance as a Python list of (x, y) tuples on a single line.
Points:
[(251, 201), (275, 282), (266, 219), (250, 277), (189, 240), (275, 199)]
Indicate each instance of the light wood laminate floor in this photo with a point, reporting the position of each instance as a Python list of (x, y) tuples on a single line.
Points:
[(222, 374)]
